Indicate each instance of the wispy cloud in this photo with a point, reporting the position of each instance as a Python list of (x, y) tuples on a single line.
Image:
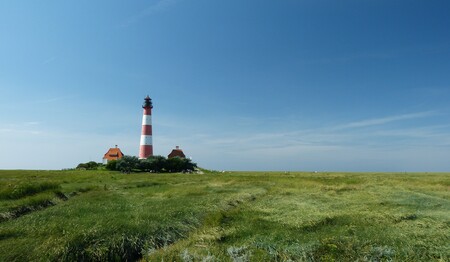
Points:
[(329, 145), (364, 133), (390, 148), (53, 99), (26, 128), (385, 120), (434, 48), (348, 58), (159, 6), (49, 60), (31, 123)]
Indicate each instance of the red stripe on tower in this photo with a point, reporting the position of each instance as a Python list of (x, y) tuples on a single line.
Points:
[(146, 145)]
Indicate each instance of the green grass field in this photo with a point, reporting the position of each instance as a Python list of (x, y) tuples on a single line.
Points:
[(237, 216)]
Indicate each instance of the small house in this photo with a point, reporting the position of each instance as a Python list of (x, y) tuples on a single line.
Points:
[(112, 154), (177, 152)]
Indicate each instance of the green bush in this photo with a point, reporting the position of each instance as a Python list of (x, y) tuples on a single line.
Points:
[(127, 164), (177, 164), (91, 165), (111, 165), (155, 164), (160, 164)]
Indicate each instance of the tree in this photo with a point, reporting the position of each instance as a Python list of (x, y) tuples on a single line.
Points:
[(91, 165), (177, 164), (174, 164), (146, 165), (188, 165), (127, 164), (111, 165), (81, 166), (153, 164), (159, 163)]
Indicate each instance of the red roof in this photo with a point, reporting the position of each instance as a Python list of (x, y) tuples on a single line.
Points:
[(113, 154), (176, 153)]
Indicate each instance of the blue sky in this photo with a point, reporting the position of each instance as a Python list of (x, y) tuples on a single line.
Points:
[(352, 85)]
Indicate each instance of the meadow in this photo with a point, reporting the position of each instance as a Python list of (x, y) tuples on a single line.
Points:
[(232, 216)]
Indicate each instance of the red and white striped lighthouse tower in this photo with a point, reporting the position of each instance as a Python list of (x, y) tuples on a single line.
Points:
[(146, 146)]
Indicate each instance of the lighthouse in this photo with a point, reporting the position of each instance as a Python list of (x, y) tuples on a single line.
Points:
[(146, 145)]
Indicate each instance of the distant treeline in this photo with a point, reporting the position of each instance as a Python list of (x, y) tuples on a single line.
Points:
[(156, 164)]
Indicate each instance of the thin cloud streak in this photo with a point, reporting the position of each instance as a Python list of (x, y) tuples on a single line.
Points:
[(53, 99), (48, 60), (313, 151), (31, 123), (344, 135), (385, 120), (20, 131), (159, 6)]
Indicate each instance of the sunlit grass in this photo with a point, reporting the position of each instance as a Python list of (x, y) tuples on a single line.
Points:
[(101, 215)]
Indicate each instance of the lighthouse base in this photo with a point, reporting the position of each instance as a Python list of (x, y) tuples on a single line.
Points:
[(145, 151)]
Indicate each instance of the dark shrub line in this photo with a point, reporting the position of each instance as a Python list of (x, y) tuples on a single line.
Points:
[(91, 165), (154, 164)]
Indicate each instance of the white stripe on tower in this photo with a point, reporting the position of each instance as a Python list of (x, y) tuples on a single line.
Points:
[(146, 140), (147, 119), (146, 145)]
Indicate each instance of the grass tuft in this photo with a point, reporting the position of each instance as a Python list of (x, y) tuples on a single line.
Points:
[(239, 254), (406, 218), (320, 224), (148, 184), (23, 210), (24, 190)]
